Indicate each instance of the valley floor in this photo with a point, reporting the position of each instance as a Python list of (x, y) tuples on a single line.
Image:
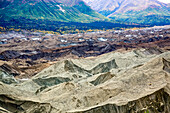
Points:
[(104, 72)]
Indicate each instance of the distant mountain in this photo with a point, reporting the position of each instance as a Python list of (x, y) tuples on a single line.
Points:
[(168, 4), (135, 11), (54, 10)]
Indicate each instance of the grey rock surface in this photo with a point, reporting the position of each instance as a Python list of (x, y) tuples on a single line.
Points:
[(135, 81)]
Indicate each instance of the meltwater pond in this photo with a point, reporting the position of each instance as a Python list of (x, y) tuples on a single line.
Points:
[(68, 44)]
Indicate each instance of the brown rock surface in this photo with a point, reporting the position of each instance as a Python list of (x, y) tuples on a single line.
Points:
[(32, 56)]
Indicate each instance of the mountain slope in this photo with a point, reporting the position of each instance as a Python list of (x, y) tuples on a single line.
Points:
[(138, 11), (54, 10)]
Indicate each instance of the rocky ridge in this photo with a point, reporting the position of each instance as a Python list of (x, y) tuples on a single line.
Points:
[(121, 6), (133, 11), (135, 81)]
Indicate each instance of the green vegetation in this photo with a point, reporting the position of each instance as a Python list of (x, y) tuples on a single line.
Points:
[(146, 111), (106, 13), (150, 16), (73, 18), (56, 27), (49, 11)]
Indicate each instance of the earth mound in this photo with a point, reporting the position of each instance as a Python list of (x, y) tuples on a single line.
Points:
[(116, 82)]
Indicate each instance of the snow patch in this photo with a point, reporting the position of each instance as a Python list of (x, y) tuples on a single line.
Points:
[(61, 9)]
